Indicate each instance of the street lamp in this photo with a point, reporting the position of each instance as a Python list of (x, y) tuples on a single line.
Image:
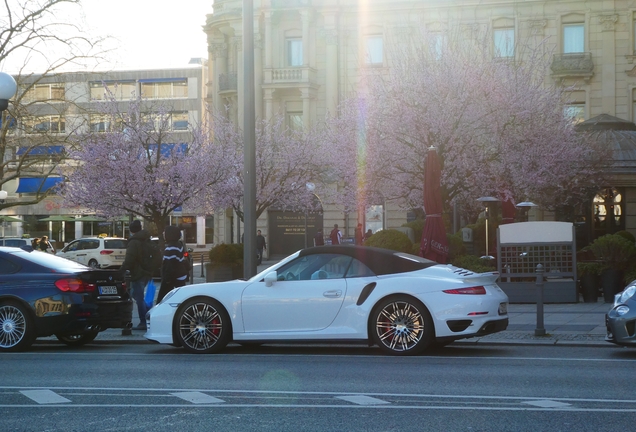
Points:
[(3, 196), (525, 206), (8, 87), (487, 201), (310, 188)]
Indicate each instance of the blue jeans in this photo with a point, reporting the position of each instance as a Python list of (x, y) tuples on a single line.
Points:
[(138, 288)]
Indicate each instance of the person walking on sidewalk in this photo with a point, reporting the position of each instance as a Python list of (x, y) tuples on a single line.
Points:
[(138, 244), (260, 246), (335, 235), (174, 266)]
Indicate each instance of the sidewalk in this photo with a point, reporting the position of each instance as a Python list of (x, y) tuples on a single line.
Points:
[(565, 324)]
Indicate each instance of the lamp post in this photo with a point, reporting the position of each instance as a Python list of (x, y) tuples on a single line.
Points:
[(310, 188), (525, 206), (487, 201), (8, 87)]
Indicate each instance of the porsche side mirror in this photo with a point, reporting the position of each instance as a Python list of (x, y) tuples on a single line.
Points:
[(270, 278)]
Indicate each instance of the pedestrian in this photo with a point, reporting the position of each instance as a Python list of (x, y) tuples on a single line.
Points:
[(45, 245), (260, 246), (359, 234), (336, 235), (140, 274), (35, 243), (319, 239), (174, 266), (368, 234)]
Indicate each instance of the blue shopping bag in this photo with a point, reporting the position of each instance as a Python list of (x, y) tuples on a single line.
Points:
[(149, 299)]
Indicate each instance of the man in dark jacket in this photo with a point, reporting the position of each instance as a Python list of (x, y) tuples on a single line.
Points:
[(260, 246), (174, 267), (139, 276)]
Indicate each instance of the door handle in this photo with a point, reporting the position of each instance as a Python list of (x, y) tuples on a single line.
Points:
[(334, 293)]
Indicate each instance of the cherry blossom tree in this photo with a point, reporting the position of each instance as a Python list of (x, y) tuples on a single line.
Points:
[(140, 167), (287, 164), (499, 127)]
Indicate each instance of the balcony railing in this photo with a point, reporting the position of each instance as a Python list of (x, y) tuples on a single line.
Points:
[(294, 75), (228, 82), (572, 65)]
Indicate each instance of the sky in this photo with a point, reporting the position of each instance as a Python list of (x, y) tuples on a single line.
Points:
[(147, 34)]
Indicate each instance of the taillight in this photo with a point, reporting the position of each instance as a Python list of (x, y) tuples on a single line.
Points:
[(74, 285), (106, 252), (186, 254), (476, 290)]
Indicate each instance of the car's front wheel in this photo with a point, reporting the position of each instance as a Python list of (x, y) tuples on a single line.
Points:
[(202, 326), (401, 325), (17, 330), (93, 264), (77, 339)]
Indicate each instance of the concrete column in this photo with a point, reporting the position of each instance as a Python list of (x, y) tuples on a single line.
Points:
[(238, 41), (331, 78), (268, 103), (268, 40), (258, 76), (200, 231), (220, 68), (306, 55), (306, 97)]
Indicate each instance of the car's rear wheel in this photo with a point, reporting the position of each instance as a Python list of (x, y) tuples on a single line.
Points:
[(401, 325), (17, 330), (93, 264), (77, 339), (202, 326)]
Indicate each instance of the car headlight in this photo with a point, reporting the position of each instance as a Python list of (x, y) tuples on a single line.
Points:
[(622, 310), (167, 296), (627, 294)]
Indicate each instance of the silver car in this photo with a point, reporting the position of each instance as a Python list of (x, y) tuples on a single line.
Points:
[(621, 319)]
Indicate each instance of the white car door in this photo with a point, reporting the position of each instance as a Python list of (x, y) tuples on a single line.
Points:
[(307, 297)]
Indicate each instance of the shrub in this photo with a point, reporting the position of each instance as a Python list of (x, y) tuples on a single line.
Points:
[(474, 263), (226, 253), (417, 226), (391, 239), (614, 251), (627, 236)]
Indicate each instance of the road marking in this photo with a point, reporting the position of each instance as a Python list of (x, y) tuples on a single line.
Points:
[(546, 403), (44, 396), (362, 400), (197, 397)]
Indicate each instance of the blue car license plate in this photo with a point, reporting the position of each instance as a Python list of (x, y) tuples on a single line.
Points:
[(108, 289)]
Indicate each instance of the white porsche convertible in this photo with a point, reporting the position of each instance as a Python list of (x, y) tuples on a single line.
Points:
[(401, 302)]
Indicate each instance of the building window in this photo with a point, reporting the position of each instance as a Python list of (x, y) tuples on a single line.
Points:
[(295, 121), (374, 53), (102, 123), (179, 121), (294, 52), (45, 93), (608, 212), (436, 44), (124, 90), (43, 124), (172, 89), (504, 42), (10, 121), (575, 111), (573, 38)]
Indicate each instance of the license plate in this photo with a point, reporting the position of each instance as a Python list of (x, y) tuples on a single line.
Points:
[(109, 289), (503, 308)]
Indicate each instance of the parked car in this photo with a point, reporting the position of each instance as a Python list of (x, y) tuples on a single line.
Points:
[(96, 252), (15, 241), (43, 294), (400, 302), (621, 318)]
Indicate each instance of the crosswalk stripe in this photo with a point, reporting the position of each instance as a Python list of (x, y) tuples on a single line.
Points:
[(546, 403), (44, 396), (197, 397), (362, 400)]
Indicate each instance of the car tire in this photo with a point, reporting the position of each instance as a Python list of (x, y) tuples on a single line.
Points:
[(17, 331), (202, 326), (93, 264), (401, 325), (77, 339)]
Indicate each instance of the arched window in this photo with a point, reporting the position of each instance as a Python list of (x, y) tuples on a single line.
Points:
[(609, 211)]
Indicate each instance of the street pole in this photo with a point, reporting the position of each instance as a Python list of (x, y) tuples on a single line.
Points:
[(540, 330), (249, 134)]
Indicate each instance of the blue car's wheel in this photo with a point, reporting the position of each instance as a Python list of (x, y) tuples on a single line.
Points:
[(16, 327)]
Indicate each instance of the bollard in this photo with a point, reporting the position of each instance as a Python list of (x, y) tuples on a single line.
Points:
[(190, 266), (202, 263), (128, 330), (540, 330)]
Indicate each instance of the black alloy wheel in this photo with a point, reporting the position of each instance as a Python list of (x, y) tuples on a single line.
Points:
[(77, 339), (401, 325), (202, 326)]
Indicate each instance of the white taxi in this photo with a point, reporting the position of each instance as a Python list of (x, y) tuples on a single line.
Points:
[(96, 252)]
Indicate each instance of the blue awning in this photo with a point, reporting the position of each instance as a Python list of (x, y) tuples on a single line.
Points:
[(168, 148), (40, 150), (35, 184)]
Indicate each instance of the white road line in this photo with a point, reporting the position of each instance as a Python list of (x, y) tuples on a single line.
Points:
[(546, 403), (363, 400), (44, 396), (197, 397)]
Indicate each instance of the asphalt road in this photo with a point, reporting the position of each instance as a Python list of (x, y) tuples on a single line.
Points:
[(326, 388)]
